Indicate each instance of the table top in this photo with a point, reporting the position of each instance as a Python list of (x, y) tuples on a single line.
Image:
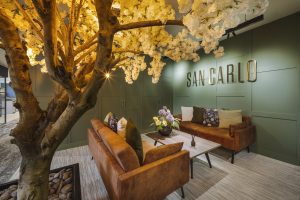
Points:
[(202, 145)]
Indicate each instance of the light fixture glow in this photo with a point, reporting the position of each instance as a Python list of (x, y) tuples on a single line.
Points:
[(107, 75)]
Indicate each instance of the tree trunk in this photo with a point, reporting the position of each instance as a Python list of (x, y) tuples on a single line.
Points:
[(34, 178)]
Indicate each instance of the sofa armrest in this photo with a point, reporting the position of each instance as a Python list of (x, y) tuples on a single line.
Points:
[(233, 128), (156, 180), (244, 137)]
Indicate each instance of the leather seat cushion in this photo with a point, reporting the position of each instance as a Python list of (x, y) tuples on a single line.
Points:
[(215, 134)]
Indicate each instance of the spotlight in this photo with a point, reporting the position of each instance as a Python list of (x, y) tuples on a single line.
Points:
[(107, 75)]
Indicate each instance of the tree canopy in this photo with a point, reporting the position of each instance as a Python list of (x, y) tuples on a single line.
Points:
[(76, 26)]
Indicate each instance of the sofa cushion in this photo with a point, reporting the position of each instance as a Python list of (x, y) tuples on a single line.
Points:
[(187, 113), (162, 152), (198, 115), (211, 117), (113, 123), (229, 117), (107, 117), (122, 124), (120, 150), (203, 130), (133, 138), (147, 147), (215, 134)]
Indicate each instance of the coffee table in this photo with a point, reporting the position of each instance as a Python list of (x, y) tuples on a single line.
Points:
[(202, 146)]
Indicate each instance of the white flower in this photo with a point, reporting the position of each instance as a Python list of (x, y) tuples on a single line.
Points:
[(219, 52), (165, 123), (185, 5), (157, 123)]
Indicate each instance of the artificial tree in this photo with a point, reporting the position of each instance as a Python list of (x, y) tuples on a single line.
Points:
[(76, 42)]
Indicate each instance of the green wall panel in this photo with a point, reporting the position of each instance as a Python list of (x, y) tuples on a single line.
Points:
[(275, 93), (181, 101), (79, 130), (276, 137), (234, 103), (237, 46), (273, 100), (282, 49)]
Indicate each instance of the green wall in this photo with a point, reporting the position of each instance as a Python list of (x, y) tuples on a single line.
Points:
[(273, 100), (139, 101)]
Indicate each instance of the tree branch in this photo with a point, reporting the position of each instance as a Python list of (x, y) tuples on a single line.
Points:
[(77, 13), (87, 44), (58, 104), (150, 23), (18, 65), (117, 61), (84, 55), (28, 18), (88, 98), (56, 70)]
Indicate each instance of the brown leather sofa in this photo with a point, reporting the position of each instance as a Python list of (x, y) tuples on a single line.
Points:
[(122, 174), (235, 138)]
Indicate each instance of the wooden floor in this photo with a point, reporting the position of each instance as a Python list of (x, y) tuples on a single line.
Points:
[(252, 176)]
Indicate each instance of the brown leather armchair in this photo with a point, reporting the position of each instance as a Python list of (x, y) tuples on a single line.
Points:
[(124, 177)]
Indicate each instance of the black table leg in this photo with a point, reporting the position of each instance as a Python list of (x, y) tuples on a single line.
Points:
[(191, 165), (208, 160), (155, 142), (182, 192), (232, 157)]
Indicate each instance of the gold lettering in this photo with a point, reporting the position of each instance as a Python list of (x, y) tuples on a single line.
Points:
[(252, 67), (211, 79), (230, 70), (188, 76), (220, 75), (201, 77)]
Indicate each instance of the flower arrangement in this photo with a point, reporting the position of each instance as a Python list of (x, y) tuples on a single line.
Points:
[(165, 119)]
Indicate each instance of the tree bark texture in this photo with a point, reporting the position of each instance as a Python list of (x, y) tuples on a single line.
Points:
[(34, 178)]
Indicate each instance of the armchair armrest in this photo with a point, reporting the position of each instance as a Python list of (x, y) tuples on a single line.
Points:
[(157, 179)]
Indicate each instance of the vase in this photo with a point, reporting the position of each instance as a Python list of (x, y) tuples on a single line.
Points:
[(193, 143), (166, 131)]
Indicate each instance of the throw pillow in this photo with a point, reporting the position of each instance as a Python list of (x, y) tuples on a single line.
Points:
[(211, 117), (106, 119), (229, 117), (133, 138), (187, 113), (162, 152), (198, 115), (122, 124), (113, 123)]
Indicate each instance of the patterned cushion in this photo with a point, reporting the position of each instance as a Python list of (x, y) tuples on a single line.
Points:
[(211, 117), (113, 123)]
